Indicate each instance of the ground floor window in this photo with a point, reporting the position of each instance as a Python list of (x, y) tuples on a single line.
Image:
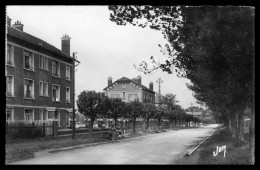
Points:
[(28, 114), (54, 115), (9, 114), (67, 118)]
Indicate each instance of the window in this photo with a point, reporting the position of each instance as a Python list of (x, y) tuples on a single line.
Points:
[(10, 55), (43, 63), (9, 85), (57, 116), (123, 94), (67, 72), (67, 119), (55, 68), (55, 93), (28, 114), (9, 114), (43, 89), (28, 60), (41, 114), (28, 88), (67, 95), (54, 115)]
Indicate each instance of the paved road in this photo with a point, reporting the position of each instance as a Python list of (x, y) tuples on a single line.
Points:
[(162, 148)]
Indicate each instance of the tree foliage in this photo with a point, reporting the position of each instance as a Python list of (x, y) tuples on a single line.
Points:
[(91, 104), (211, 46), (116, 108)]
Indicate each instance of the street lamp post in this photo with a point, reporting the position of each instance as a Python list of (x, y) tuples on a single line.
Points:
[(73, 101)]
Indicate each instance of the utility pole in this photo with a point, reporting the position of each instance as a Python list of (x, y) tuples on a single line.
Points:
[(159, 81), (73, 115)]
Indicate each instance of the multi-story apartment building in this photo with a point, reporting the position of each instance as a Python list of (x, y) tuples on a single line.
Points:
[(130, 90), (39, 78)]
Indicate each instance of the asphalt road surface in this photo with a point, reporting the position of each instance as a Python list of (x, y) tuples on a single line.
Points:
[(161, 148)]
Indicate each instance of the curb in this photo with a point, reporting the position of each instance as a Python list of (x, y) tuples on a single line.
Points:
[(202, 141), (87, 145)]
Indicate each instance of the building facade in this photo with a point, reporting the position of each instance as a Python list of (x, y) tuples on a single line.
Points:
[(39, 78), (130, 90)]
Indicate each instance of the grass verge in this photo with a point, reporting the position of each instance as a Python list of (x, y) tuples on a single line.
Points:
[(234, 155), (25, 149), (17, 150)]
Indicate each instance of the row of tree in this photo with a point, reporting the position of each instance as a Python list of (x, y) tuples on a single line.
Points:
[(214, 47), (96, 105)]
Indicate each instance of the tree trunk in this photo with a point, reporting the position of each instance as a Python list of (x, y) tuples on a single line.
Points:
[(158, 124), (229, 120), (91, 125), (241, 127), (134, 125), (147, 124), (115, 119), (233, 125), (252, 135), (226, 122), (171, 124)]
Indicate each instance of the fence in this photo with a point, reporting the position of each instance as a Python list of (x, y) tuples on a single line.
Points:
[(27, 129), (127, 127)]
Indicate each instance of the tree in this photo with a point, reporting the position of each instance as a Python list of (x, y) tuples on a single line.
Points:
[(169, 100), (134, 111), (172, 116), (160, 113), (116, 108), (148, 110), (180, 115), (90, 104)]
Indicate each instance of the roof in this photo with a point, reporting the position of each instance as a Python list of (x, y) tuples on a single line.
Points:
[(125, 79), (34, 42)]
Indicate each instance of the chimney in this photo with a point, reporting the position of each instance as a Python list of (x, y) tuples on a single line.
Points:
[(65, 44), (18, 25), (9, 21), (139, 80), (151, 86), (109, 81)]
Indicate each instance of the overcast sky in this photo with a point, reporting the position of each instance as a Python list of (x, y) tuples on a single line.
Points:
[(103, 48)]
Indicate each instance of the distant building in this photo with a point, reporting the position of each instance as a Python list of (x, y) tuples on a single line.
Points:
[(130, 90), (39, 78)]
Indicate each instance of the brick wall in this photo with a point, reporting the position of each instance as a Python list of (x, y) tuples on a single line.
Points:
[(37, 75)]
